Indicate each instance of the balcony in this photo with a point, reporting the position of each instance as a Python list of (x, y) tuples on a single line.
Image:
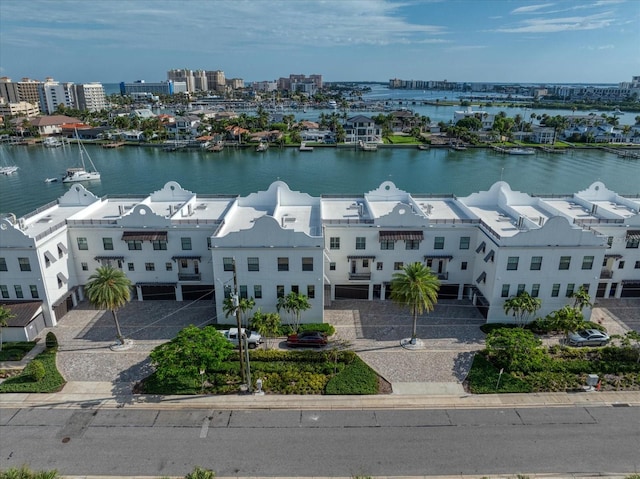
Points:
[(189, 276), (360, 276), (443, 276), (606, 274)]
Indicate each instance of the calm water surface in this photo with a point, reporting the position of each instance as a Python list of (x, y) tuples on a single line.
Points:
[(139, 171)]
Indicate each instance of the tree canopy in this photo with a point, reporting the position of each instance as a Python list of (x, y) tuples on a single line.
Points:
[(109, 288)]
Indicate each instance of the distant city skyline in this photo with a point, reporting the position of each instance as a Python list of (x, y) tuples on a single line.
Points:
[(511, 41)]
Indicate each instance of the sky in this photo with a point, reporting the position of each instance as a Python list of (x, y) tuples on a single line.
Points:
[(511, 41)]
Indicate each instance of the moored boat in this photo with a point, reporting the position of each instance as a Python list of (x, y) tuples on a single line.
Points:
[(80, 173)]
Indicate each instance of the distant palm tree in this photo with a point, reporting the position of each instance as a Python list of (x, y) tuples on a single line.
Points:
[(5, 315), (416, 288), (109, 288)]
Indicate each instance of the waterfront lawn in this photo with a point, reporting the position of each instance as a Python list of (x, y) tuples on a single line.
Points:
[(51, 382), (560, 368), (15, 351), (282, 372), (402, 140)]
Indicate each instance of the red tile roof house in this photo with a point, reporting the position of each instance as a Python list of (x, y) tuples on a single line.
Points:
[(52, 124)]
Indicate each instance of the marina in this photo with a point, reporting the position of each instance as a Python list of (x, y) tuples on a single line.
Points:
[(132, 170)]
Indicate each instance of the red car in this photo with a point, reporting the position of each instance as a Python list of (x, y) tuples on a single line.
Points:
[(310, 339)]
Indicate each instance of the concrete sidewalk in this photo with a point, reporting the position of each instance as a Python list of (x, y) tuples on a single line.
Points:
[(102, 395)]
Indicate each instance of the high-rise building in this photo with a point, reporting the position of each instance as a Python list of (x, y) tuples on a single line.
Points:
[(200, 80), (91, 97), (183, 75), (54, 94), (216, 80)]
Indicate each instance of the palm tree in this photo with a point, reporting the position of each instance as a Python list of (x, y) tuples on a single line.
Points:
[(244, 306), (294, 303), (522, 306), (109, 288), (5, 315), (416, 288), (581, 299)]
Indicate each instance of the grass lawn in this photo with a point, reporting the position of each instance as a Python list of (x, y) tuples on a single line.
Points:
[(50, 383), (402, 140), (15, 351)]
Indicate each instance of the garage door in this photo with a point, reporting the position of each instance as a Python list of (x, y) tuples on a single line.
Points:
[(150, 293), (195, 292), (352, 291), (630, 289), (448, 291)]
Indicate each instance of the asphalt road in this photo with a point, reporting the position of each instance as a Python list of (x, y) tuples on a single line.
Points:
[(296, 443)]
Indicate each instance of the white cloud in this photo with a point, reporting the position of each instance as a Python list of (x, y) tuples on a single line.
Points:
[(553, 25), (531, 8)]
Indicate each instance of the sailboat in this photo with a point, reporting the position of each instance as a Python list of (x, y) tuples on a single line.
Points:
[(74, 175), (7, 169)]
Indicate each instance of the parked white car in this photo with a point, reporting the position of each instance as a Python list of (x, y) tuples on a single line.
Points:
[(253, 338)]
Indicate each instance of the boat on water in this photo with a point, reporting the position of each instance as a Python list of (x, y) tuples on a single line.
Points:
[(51, 180), (8, 170), (367, 146), (521, 151), (80, 173), (216, 147), (262, 146), (304, 147), (457, 146), (52, 142), (423, 147)]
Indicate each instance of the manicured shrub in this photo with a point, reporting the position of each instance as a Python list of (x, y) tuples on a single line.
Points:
[(23, 383), (35, 370), (356, 378), (51, 341), (15, 351), (483, 379)]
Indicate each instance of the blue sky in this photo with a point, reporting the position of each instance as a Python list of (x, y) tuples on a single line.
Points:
[(572, 41)]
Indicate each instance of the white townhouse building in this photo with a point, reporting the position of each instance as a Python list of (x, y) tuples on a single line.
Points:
[(362, 128), (177, 245)]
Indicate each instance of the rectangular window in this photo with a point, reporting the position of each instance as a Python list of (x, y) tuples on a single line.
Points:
[(379, 265), (34, 291), (535, 290), (280, 291), (3, 264), (84, 266), (332, 266), (24, 264), (107, 243), (621, 265), (82, 243), (512, 263), (150, 266), (570, 288), (307, 264), (536, 263), (361, 242), (585, 286), (244, 294), (610, 241), (555, 291), (4, 290), (18, 289), (465, 241), (565, 262), (159, 245), (463, 265), (311, 291), (257, 291), (227, 264), (134, 245), (186, 243), (505, 290), (253, 263), (587, 262), (398, 265), (633, 243), (438, 242), (130, 267), (412, 244), (295, 288), (283, 264), (184, 264), (520, 289), (334, 242), (168, 266), (637, 265), (208, 242), (387, 244)]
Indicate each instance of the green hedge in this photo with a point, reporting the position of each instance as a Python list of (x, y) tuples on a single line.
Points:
[(356, 378), (483, 378), (24, 383)]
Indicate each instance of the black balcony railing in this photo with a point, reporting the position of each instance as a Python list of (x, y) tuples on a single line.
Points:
[(188, 276), (360, 276)]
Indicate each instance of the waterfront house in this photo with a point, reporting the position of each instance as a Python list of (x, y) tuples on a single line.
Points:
[(362, 128), (53, 124)]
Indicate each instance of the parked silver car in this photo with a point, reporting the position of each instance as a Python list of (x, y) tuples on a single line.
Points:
[(588, 337)]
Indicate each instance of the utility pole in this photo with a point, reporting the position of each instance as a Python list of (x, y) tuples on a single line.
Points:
[(236, 304)]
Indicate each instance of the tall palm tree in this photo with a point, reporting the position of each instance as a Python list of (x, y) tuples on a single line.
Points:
[(5, 315), (294, 303), (416, 288), (109, 288), (522, 306)]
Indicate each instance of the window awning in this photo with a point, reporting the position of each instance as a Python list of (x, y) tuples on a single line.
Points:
[(616, 256), (438, 256), (50, 257), (98, 258), (630, 282), (62, 248), (156, 284), (144, 235), (633, 234), (482, 277), (186, 257), (62, 278), (490, 256), (361, 256), (481, 247), (401, 235)]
